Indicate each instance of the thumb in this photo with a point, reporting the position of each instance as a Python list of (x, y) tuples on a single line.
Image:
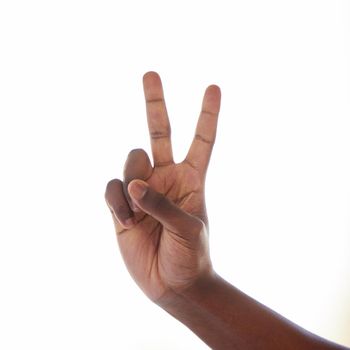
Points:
[(164, 210)]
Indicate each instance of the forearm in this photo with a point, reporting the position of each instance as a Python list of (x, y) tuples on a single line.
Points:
[(225, 318)]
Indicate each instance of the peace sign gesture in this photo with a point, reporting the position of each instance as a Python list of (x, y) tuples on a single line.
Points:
[(159, 211)]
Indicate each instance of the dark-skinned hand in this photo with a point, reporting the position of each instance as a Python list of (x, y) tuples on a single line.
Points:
[(159, 211)]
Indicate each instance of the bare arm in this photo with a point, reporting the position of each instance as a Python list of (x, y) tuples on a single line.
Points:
[(225, 318), (161, 224)]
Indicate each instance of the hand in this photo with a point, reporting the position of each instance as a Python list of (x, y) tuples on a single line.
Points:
[(161, 223), (159, 211)]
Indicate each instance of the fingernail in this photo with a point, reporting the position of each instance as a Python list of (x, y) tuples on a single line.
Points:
[(137, 189)]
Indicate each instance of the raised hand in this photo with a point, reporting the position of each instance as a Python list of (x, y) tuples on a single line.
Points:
[(161, 223), (159, 211)]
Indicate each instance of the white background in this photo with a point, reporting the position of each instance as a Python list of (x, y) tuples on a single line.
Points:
[(71, 108)]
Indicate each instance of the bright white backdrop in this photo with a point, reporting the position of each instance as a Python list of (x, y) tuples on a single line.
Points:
[(71, 108)]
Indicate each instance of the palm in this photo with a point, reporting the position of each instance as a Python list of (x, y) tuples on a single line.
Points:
[(157, 259), (182, 184), (149, 243)]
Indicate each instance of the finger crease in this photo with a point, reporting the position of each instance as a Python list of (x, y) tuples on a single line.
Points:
[(155, 100), (190, 164), (122, 231), (161, 164), (203, 139), (155, 135), (208, 112)]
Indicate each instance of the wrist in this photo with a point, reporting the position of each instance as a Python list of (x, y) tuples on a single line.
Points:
[(198, 290), (205, 308)]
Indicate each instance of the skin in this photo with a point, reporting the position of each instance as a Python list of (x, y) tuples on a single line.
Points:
[(161, 223), (165, 258)]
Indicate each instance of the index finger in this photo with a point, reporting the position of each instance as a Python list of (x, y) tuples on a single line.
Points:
[(199, 153), (157, 119)]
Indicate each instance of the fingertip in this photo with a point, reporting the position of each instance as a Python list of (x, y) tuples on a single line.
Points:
[(215, 88), (212, 99), (213, 92), (112, 188), (150, 76), (137, 165)]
